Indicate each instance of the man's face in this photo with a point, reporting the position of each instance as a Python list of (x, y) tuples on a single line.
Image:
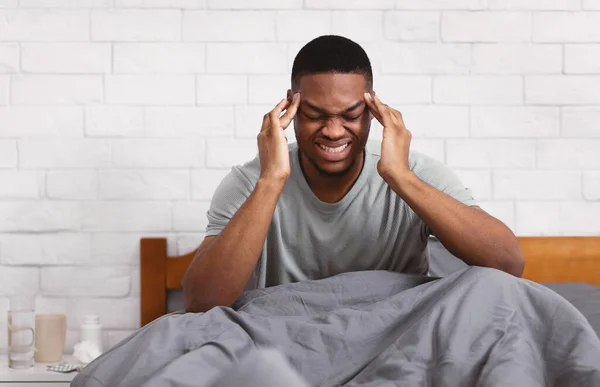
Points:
[(332, 123)]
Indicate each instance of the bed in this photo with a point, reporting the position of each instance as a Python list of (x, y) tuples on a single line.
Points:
[(470, 326), (569, 265)]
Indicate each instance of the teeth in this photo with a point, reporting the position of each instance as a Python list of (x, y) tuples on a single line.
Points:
[(333, 150)]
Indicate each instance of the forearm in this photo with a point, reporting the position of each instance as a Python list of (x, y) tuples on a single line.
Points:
[(218, 274), (469, 233)]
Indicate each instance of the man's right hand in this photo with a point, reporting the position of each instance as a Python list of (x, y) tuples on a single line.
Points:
[(272, 142)]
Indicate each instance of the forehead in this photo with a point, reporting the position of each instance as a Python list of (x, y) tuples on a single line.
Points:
[(329, 90)]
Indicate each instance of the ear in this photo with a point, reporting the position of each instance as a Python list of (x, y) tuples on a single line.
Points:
[(290, 96)]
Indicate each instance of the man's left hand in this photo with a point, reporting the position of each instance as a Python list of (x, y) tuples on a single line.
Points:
[(393, 165)]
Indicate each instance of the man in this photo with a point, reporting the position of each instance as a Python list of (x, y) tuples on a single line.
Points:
[(326, 205)]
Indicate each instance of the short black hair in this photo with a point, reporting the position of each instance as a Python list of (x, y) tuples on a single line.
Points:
[(331, 54)]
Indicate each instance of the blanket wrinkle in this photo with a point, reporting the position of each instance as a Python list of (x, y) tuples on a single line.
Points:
[(476, 327)]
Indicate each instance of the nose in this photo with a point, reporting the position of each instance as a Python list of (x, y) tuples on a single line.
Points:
[(333, 129)]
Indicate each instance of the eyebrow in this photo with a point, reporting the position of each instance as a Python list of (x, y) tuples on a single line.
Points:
[(320, 110)]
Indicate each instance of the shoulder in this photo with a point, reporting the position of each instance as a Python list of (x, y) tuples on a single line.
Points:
[(431, 171), (440, 176), (422, 164), (238, 184)]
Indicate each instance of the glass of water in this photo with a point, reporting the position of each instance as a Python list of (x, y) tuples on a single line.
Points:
[(21, 332)]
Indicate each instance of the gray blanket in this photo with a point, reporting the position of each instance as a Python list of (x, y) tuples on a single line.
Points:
[(476, 327)]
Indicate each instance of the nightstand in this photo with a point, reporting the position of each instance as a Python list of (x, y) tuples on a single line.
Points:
[(36, 376)]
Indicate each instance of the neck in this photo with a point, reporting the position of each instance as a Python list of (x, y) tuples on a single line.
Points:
[(330, 188)]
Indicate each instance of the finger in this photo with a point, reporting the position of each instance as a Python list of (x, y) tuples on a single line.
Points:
[(396, 117), (285, 120), (265, 122), (381, 107), (372, 107), (385, 111), (276, 112)]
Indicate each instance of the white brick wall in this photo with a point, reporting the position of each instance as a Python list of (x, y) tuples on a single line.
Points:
[(157, 153), (517, 121), (477, 154), (159, 58), (4, 89), (576, 27), (591, 185), (242, 58), (130, 25), (442, 4), (150, 90), (582, 58), (301, 26), (477, 90), (84, 58), (412, 26), (519, 58), (8, 154), (119, 118), (63, 153), (85, 281), (224, 26), (114, 121), (205, 182), (39, 216), (190, 216), (126, 216), (423, 58), (568, 154), (144, 184), (581, 121), (562, 90), (361, 26), (72, 185), (486, 26), (21, 184), (44, 25), (19, 280), (201, 121), (41, 121), (9, 57), (221, 89), (46, 249), (436, 121), (56, 89), (541, 5)]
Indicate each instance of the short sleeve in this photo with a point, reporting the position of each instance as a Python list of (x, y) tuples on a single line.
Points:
[(232, 192), (441, 177)]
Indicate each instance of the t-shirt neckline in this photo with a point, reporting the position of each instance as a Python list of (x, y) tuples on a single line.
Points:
[(329, 207)]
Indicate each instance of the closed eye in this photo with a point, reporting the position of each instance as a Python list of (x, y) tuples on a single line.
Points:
[(318, 118), (313, 118)]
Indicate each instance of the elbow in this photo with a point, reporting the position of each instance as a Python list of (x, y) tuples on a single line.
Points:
[(513, 262), (194, 307), (194, 301), (515, 267), (191, 302)]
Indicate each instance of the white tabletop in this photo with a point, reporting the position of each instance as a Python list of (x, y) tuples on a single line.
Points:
[(37, 373)]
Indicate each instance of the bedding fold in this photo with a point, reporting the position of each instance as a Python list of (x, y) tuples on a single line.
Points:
[(476, 327)]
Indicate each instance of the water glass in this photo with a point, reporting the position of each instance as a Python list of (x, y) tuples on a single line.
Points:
[(21, 332)]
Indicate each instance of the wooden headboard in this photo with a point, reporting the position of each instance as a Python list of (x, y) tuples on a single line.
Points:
[(547, 259)]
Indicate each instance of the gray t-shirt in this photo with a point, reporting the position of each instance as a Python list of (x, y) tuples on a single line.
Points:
[(371, 228)]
